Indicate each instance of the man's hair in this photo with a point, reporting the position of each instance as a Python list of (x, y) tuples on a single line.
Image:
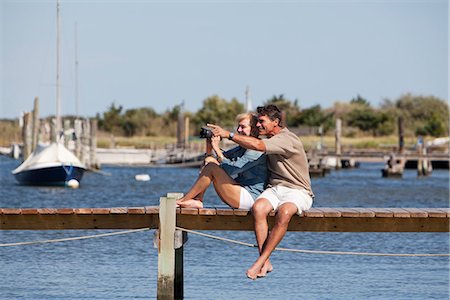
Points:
[(270, 110)]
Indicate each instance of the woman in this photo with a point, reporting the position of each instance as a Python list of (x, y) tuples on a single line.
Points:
[(238, 175)]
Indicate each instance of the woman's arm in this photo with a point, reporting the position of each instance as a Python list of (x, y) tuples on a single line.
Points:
[(243, 163)]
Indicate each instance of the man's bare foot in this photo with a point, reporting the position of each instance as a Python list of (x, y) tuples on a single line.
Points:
[(191, 203), (266, 268), (253, 272)]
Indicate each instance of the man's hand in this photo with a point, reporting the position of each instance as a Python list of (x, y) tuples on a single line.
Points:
[(219, 131)]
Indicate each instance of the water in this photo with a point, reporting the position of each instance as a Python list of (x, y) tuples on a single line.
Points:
[(125, 266)]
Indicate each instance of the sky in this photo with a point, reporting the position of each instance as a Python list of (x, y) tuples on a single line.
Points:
[(160, 53)]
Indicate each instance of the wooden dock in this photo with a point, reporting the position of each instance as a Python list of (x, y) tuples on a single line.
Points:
[(346, 219), (169, 240)]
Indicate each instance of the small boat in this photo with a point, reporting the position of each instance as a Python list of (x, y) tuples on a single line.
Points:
[(51, 165)]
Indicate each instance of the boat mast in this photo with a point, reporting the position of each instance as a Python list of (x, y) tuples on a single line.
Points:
[(76, 72), (58, 42)]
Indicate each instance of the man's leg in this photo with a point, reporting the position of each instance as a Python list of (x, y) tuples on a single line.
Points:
[(282, 218), (260, 211)]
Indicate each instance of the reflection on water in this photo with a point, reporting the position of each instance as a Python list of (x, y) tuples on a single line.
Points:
[(125, 267)]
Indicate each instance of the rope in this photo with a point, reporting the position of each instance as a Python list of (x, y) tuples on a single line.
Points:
[(74, 238), (230, 241), (316, 251)]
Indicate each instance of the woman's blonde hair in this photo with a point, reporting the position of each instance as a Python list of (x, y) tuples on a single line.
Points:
[(253, 120)]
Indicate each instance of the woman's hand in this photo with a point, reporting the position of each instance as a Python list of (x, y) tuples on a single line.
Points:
[(215, 140)]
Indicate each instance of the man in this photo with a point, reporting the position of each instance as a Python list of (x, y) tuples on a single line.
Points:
[(239, 175), (289, 190)]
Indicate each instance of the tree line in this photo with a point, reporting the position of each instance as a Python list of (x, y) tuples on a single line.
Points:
[(421, 115)]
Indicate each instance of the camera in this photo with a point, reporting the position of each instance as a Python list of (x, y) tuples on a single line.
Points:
[(206, 133)]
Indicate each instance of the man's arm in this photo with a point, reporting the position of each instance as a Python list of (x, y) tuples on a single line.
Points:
[(247, 142)]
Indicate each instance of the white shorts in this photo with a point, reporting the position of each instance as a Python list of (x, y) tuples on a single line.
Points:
[(279, 195), (246, 200)]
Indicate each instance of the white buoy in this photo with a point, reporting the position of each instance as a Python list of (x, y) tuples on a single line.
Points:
[(142, 177), (73, 183)]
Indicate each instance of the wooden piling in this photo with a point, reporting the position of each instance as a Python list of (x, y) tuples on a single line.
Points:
[(93, 145), (186, 131), (78, 129), (85, 138), (35, 126), (338, 142), (423, 163), (53, 131), (401, 143), (180, 239), (27, 135), (66, 131), (166, 249)]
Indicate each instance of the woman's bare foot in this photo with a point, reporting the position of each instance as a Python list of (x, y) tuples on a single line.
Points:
[(179, 201), (191, 203)]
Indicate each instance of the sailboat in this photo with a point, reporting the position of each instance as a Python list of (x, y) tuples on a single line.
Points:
[(54, 164)]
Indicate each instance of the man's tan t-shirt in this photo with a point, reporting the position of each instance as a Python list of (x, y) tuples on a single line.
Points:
[(287, 162)]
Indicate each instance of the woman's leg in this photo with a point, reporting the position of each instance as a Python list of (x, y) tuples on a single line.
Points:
[(227, 189)]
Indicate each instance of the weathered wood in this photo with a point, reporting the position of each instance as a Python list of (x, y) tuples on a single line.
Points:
[(436, 213), (136, 210), (207, 211), (166, 249), (241, 212), (416, 212), (47, 211), (400, 213), (83, 211), (93, 145), (101, 211), (35, 125), (119, 210), (189, 211), (348, 212), (224, 212), (351, 219), (27, 135), (180, 239), (363, 212)]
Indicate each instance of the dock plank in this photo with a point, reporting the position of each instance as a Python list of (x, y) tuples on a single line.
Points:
[(189, 211), (364, 212), (241, 212), (417, 212), (400, 212), (30, 211), (47, 211), (136, 210), (224, 211), (11, 211), (118, 210), (347, 212), (314, 213), (329, 212), (381, 212), (207, 211), (436, 213), (101, 211), (152, 210)]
